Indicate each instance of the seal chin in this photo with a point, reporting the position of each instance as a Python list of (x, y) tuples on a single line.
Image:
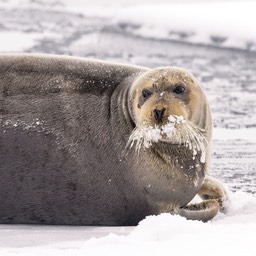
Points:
[(177, 131)]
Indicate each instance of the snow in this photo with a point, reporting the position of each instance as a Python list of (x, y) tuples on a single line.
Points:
[(10, 4), (144, 135), (234, 134), (228, 24), (220, 24), (9, 41), (231, 234), (223, 24)]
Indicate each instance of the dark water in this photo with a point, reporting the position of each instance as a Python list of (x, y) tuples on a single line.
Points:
[(229, 76)]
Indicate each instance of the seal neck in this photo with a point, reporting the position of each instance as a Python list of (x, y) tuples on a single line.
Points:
[(121, 122), (124, 103)]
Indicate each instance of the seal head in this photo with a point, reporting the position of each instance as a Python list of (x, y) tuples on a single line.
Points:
[(169, 105)]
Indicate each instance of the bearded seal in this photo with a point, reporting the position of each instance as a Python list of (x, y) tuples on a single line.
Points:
[(85, 142)]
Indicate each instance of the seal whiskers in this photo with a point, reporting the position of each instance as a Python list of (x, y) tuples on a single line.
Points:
[(177, 131)]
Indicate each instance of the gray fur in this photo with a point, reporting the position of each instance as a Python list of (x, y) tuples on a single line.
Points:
[(64, 126)]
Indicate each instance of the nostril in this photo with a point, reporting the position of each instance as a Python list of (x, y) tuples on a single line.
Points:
[(158, 114)]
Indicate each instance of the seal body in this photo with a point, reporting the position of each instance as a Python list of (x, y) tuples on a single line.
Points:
[(65, 157)]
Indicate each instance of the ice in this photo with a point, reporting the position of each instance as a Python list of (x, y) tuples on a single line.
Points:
[(234, 134), (9, 41), (231, 234), (228, 24)]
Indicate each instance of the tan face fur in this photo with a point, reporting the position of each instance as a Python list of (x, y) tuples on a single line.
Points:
[(171, 91), (160, 84)]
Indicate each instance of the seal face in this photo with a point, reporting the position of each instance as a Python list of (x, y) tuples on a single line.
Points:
[(87, 142), (166, 106)]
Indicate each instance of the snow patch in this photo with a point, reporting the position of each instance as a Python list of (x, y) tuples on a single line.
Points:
[(10, 4), (227, 234), (9, 41), (234, 134), (226, 24), (35, 124), (194, 23), (146, 135)]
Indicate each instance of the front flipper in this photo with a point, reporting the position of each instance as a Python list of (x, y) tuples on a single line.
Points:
[(215, 197), (203, 211), (212, 188)]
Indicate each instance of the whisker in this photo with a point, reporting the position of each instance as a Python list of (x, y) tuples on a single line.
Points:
[(176, 131)]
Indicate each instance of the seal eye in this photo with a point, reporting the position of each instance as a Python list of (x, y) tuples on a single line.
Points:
[(146, 93), (179, 89)]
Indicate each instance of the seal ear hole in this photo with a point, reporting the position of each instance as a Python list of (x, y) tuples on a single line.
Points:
[(179, 89), (146, 93)]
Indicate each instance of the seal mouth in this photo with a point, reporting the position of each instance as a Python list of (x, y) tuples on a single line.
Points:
[(177, 131)]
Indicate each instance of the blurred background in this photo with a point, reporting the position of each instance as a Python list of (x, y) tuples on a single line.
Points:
[(216, 40)]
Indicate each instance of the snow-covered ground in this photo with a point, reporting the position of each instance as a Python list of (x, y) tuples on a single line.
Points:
[(231, 234), (216, 40), (222, 24)]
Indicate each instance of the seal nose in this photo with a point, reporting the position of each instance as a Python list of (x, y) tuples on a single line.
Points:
[(158, 114)]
